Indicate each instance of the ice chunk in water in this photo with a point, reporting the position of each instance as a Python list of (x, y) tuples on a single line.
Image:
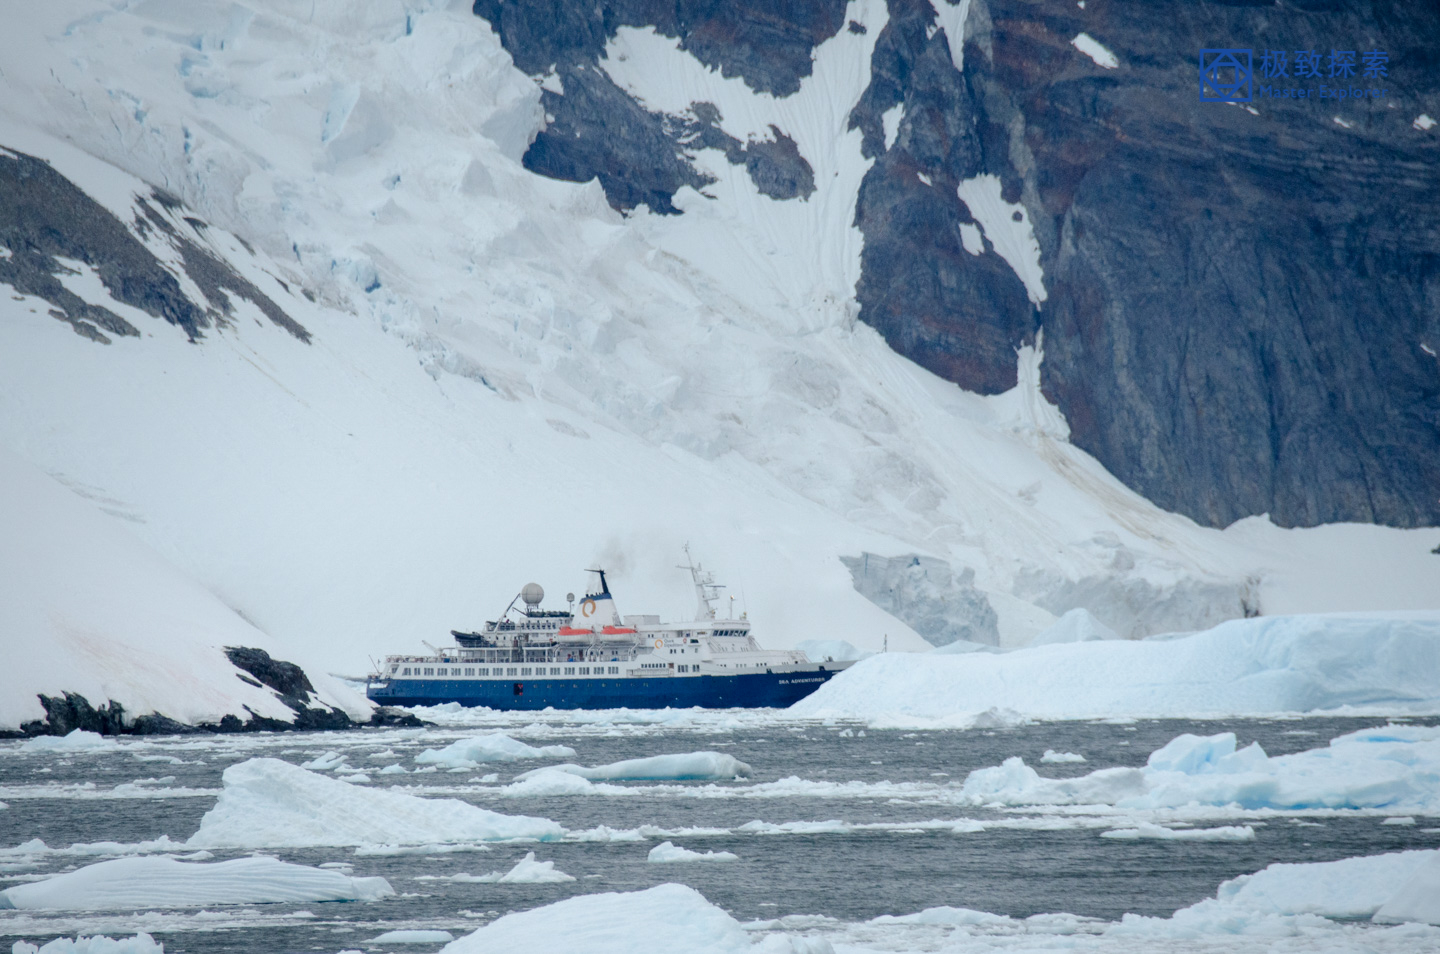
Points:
[(134, 883), (692, 765), (100, 944), (78, 740), (468, 753), (670, 917), (668, 852), (270, 803), (1418, 898)]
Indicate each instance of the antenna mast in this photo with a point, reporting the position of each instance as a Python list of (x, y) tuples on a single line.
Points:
[(707, 591)]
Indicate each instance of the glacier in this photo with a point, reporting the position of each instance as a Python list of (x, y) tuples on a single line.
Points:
[(1283, 664), (495, 356)]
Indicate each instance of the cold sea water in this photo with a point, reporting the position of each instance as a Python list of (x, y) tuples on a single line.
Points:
[(888, 837)]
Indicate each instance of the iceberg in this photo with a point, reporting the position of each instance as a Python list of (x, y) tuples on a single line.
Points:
[(1279, 899), (469, 753), (667, 852), (139, 944), (1262, 666), (1052, 756), (1146, 830), (412, 937), (526, 871), (1418, 898), (269, 803), (1395, 768), (78, 740), (689, 767), (136, 883), (667, 918)]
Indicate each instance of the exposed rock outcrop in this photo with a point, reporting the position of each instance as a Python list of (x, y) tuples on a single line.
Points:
[(1241, 306)]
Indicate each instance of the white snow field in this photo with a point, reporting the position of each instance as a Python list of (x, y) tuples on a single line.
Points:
[(1250, 667), (1394, 768), (688, 767), (509, 381), (469, 753), (139, 883), (269, 803), (102, 614)]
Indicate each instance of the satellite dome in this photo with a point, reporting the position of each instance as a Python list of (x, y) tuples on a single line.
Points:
[(532, 594)]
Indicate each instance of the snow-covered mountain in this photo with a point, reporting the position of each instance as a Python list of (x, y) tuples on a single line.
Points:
[(398, 375)]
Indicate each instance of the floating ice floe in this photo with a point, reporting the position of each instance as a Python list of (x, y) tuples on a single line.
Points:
[(1284, 898), (1262, 666), (667, 852), (1391, 768), (526, 871), (687, 767), (134, 883), (270, 803), (77, 740), (1146, 830), (1052, 756), (469, 753), (412, 937), (99, 944), (667, 918)]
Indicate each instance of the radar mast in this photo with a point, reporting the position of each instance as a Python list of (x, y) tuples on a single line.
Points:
[(707, 591)]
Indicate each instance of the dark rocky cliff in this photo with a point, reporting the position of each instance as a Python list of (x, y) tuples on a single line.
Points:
[(1243, 307)]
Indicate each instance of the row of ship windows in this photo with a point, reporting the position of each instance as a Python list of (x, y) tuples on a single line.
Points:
[(506, 671)]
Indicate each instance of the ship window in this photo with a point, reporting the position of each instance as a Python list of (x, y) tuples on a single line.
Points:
[(524, 670), (406, 672), (484, 670), (510, 671), (614, 670), (429, 670), (469, 670), (554, 670), (569, 670)]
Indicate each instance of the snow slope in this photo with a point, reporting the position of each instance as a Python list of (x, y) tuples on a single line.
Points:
[(1241, 667), (101, 614), (508, 381)]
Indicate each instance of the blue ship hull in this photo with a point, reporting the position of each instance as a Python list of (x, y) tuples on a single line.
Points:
[(750, 690)]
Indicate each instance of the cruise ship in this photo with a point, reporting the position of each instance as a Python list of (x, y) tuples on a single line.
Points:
[(590, 657)]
